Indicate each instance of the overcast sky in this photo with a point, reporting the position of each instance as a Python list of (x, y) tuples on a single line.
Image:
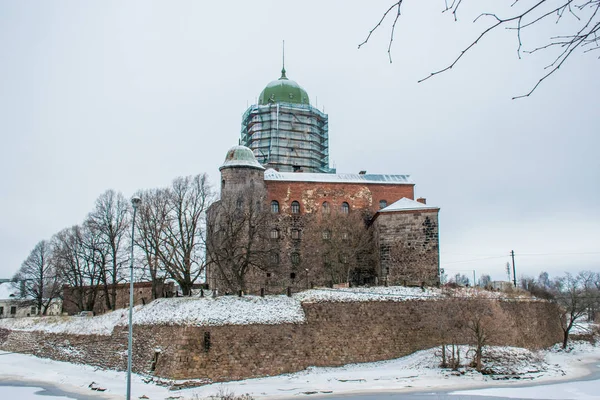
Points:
[(129, 95)]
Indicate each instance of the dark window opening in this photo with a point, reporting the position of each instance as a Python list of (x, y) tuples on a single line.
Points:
[(325, 208), (295, 207), (345, 208), (223, 183), (382, 204), (154, 361), (274, 258), (293, 275), (326, 234), (13, 310), (295, 258), (275, 207), (268, 274), (206, 341)]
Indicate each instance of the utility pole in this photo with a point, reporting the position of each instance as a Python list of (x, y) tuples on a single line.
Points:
[(512, 254)]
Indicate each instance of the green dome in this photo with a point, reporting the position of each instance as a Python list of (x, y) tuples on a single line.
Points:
[(283, 90), (240, 156)]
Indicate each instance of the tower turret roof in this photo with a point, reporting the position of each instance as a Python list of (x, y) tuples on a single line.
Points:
[(283, 90), (240, 156)]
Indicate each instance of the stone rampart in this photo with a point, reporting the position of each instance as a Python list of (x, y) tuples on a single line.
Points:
[(333, 334)]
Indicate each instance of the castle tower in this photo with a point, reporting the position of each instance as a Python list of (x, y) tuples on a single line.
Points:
[(240, 172), (285, 132)]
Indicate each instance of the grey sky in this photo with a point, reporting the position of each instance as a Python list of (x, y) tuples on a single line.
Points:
[(129, 95)]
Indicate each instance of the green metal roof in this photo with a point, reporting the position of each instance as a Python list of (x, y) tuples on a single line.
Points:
[(240, 156), (283, 90)]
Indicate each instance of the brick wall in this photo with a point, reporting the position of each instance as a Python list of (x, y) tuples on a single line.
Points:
[(333, 334), (311, 195)]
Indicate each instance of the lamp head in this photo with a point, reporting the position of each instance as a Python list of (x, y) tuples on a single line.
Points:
[(136, 201)]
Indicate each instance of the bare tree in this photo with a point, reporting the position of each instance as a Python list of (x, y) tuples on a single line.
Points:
[(152, 234), (110, 223), (79, 261), (37, 278), (523, 15), (172, 230), (570, 294), (340, 247), (238, 238)]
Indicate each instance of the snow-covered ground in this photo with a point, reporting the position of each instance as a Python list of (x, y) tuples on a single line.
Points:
[(415, 372), (233, 310)]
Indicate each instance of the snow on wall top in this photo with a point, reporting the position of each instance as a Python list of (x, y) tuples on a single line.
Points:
[(272, 175), (224, 310), (233, 310)]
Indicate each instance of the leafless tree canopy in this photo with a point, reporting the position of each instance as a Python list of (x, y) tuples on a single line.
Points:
[(37, 278), (523, 15), (238, 241), (172, 229), (339, 246), (110, 222)]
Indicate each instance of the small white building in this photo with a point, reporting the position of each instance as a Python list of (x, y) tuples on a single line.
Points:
[(13, 306)]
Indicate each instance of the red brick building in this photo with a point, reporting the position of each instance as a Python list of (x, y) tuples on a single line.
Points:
[(404, 230)]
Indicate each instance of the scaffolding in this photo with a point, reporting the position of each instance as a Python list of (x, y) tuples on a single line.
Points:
[(288, 137)]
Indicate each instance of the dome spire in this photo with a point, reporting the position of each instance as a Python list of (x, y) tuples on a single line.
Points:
[(283, 62)]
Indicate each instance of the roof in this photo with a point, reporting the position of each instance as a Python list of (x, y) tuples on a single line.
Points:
[(240, 156), (405, 204), (272, 175), (6, 289), (283, 90)]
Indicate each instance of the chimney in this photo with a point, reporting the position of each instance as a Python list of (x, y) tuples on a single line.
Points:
[(422, 200)]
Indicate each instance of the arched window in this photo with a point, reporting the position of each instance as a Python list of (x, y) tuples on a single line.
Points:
[(274, 258), (296, 234), (345, 208), (325, 208), (382, 204), (295, 207), (274, 234), (295, 258), (326, 234), (275, 207), (345, 236)]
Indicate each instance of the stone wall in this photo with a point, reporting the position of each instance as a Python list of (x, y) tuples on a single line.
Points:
[(333, 334), (408, 247)]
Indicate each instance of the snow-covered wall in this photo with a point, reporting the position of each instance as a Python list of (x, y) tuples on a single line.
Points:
[(316, 329)]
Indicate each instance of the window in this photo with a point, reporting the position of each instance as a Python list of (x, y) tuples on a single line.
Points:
[(293, 275), (325, 208), (13, 310), (382, 204), (1, 310), (345, 236), (239, 204), (295, 258), (296, 234), (344, 258), (268, 274), (326, 234), (295, 207), (345, 208), (33, 311), (206, 341), (274, 258), (275, 207), (222, 183), (274, 234)]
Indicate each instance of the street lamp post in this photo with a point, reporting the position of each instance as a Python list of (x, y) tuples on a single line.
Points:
[(135, 202)]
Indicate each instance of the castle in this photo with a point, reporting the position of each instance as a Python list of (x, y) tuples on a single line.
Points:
[(285, 219)]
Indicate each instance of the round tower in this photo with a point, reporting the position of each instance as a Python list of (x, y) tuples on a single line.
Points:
[(241, 173)]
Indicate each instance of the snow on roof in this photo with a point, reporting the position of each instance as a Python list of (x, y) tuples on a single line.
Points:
[(6, 289), (272, 175), (406, 204)]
